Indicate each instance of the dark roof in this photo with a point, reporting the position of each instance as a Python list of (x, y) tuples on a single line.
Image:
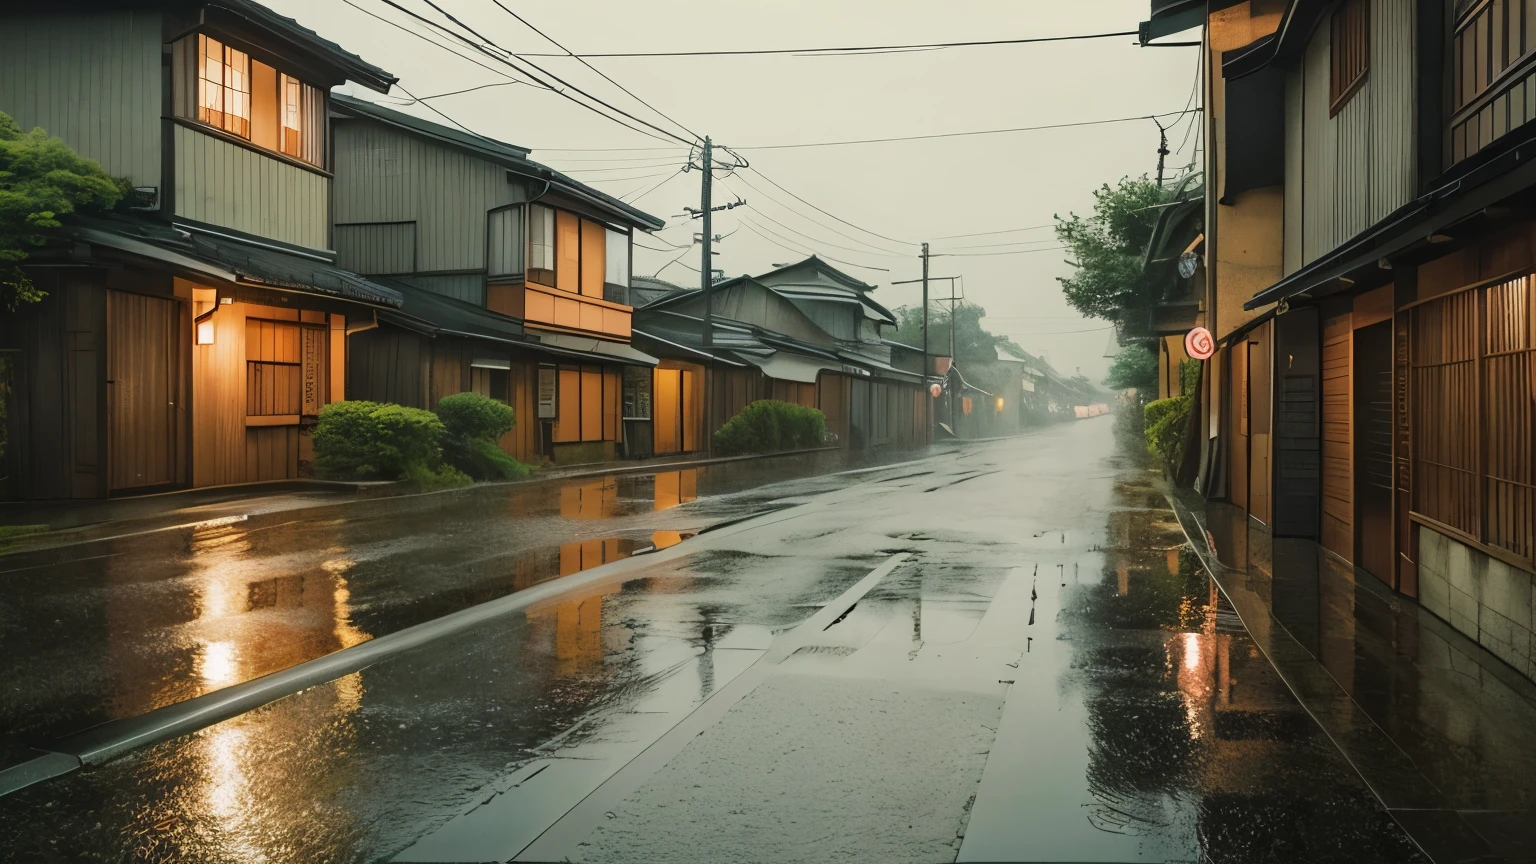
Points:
[(354, 67), (428, 312), (286, 270), (1287, 42), (509, 156), (818, 264), (189, 250)]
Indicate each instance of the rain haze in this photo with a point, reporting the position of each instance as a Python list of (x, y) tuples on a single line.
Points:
[(910, 192), (448, 431)]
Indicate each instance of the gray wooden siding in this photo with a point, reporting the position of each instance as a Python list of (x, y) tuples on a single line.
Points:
[(385, 249), (1294, 114), (90, 79), (1357, 167), (384, 175), (234, 187)]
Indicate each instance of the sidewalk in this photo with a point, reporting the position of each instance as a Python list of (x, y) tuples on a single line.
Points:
[(1442, 731), (74, 522)]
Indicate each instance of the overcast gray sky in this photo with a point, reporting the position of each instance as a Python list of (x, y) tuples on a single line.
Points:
[(909, 191)]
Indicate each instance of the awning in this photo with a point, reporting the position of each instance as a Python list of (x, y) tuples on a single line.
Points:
[(123, 243), (879, 368), (792, 367), (597, 349)]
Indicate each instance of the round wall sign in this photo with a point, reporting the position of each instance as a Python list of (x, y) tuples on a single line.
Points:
[(936, 389), (1199, 344)]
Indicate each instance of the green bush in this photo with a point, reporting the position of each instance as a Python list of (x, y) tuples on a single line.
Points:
[(372, 441), (770, 426), (1165, 422), (474, 423), (435, 479), (470, 415), (483, 460)]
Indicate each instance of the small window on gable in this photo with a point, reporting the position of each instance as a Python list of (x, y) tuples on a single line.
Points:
[(1350, 51)]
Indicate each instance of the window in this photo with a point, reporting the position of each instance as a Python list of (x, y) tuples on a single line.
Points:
[(588, 405), (504, 242), (1473, 402), (223, 87), (616, 277), (1491, 39), (541, 245), (285, 371), (1351, 51)]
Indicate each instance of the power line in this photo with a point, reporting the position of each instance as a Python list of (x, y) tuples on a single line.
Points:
[(570, 53), (759, 232), (651, 176), (484, 47), (999, 245), (869, 250), (850, 49), (989, 254), (938, 135), (990, 233), (652, 189), (425, 38), (668, 163), (765, 177)]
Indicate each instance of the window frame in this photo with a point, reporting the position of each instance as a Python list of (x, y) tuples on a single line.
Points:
[(225, 85), (1343, 80), (538, 273), (200, 103)]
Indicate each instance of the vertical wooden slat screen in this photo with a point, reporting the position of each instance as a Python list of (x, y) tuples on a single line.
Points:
[(1473, 400), (274, 363), (1338, 484), (1507, 381)]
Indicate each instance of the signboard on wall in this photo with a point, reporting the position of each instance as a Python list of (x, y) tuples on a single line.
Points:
[(547, 392), (1199, 344), (313, 384)]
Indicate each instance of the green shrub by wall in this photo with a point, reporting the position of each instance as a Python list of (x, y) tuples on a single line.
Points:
[(1165, 422), (473, 424), (770, 426), (470, 415), (371, 441)]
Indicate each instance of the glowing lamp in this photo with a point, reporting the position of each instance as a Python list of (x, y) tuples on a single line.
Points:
[(205, 332), (999, 404)]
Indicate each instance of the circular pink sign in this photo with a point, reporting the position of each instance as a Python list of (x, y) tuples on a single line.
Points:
[(1199, 344)]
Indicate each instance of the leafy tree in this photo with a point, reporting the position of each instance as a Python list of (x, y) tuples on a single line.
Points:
[(42, 181), (1107, 247), (1133, 368), (973, 344)]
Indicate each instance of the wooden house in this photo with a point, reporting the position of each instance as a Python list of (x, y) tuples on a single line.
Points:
[(767, 345), (1370, 263), (516, 280), (191, 339)]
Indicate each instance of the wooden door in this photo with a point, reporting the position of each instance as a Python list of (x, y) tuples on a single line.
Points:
[(1260, 409), (667, 407), (1373, 451), (1338, 437), (142, 366)]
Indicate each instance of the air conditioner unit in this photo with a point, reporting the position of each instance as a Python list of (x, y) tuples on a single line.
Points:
[(144, 198)]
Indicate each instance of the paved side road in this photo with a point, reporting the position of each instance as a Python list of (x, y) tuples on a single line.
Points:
[(1001, 653)]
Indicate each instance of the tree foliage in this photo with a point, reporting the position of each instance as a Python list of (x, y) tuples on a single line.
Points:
[(1134, 368), (1107, 247), (973, 344), (42, 181)]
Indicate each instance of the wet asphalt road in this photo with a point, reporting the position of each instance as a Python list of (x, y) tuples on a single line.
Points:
[(1001, 653)]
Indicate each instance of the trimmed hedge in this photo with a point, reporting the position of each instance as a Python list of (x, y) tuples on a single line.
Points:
[(473, 424), (1166, 419), (470, 415), (373, 441), (770, 426)]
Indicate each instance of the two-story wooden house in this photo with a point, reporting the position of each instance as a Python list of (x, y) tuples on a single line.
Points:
[(191, 339), (515, 279), (1370, 259)]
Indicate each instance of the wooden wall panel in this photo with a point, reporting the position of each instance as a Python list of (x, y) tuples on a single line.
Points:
[(143, 366), (271, 453), (219, 401), (388, 364), (92, 80), (377, 249), (1338, 442), (224, 184), (386, 175), (594, 247)]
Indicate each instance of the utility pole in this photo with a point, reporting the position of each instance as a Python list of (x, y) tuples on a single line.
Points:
[(929, 412), (1162, 152), (707, 267), (954, 428)]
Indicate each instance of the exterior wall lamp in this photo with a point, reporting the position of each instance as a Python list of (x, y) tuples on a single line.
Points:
[(1000, 404), (202, 324)]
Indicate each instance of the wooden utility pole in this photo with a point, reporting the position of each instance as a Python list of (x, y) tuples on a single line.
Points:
[(707, 267)]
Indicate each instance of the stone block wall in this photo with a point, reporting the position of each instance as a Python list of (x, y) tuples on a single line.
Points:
[(1484, 598)]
